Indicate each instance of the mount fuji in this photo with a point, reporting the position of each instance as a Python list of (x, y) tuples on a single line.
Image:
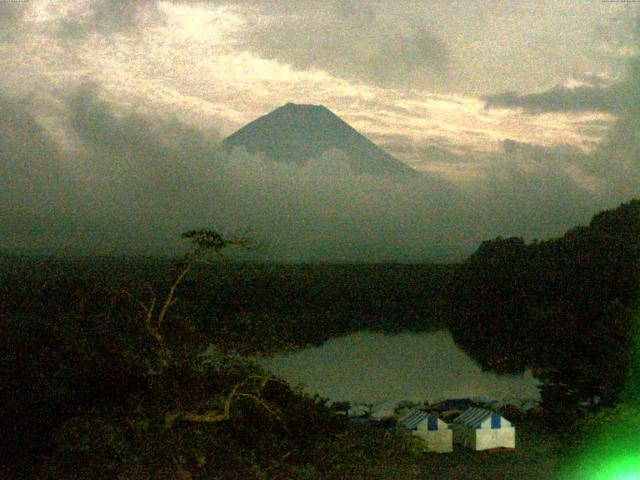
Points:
[(296, 133)]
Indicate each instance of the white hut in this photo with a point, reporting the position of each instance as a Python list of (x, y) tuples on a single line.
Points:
[(481, 429), (436, 434)]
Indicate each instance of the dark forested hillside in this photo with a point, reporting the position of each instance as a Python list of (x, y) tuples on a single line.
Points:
[(562, 306), (79, 396)]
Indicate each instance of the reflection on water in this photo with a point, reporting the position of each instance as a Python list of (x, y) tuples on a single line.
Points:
[(372, 367)]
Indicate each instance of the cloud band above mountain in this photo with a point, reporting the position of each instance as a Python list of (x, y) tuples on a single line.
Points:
[(132, 183)]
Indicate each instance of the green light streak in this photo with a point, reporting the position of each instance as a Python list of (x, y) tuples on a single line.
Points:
[(614, 453), (620, 468)]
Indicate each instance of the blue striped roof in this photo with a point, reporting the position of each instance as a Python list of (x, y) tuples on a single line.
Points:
[(476, 417), (414, 418)]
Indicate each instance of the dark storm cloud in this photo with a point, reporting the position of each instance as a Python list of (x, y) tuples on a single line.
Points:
[(618, 159), (536, 205), (122, 193), (351, 41), (618, 156), (530, 190), (36, 191), (560, 99), (141, 174)]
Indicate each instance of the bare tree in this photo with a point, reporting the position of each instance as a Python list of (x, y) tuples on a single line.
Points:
[(204, 242)]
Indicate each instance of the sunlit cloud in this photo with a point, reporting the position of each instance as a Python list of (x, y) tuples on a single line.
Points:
[(188, 61), (186, 71)]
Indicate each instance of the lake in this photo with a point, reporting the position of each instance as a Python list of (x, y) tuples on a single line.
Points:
[(373, 367)]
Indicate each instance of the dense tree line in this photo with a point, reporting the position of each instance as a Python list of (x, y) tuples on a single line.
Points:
[(253, 307), (562, 307)]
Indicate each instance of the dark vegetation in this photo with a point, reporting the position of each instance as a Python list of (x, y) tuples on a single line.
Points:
[(563, 307), (87, 387), (253, 308), (100, 380)]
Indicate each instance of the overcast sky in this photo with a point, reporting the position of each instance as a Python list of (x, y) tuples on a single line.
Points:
[(522, 115)]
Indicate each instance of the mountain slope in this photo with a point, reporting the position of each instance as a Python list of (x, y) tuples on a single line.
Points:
[(296, 133)]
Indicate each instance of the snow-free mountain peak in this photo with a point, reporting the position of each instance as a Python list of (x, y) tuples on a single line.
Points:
[(295, 133)]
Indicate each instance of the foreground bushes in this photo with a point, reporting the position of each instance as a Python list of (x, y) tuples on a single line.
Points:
[(99, 383), (152, 436)]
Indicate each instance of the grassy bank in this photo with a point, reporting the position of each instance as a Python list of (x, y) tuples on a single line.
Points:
[(371, 452)]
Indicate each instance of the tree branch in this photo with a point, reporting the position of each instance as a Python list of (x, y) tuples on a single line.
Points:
[(214, 416), (169, 300)]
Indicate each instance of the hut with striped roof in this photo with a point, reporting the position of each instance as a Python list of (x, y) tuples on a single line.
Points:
[(434, 433), (482, 429)]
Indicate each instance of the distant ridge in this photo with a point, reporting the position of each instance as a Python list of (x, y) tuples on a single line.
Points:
[(296, 133)]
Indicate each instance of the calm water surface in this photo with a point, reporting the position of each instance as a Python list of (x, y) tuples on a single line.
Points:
[(373, 367)]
